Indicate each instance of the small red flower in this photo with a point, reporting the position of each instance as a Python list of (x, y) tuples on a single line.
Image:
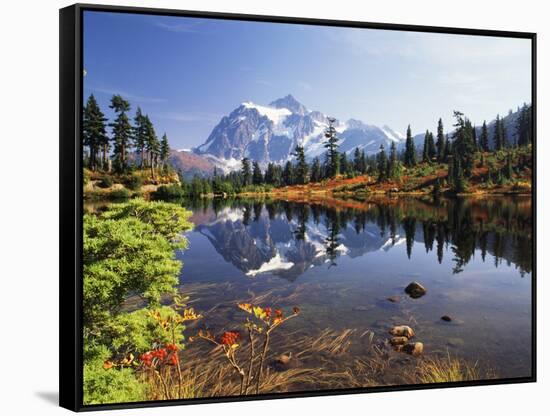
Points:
[(171, 347), (146, 359), (173, 360), (229, 338), (268, 311), (278, 313)]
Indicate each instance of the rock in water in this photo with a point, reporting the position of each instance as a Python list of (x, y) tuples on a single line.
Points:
[(393, 299), (399, 341), (446, 318), (402, 331), (284, 359), (415, 349), (415, 290)]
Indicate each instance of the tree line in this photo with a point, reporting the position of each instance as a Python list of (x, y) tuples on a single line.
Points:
[(128, 145), (458, 150)]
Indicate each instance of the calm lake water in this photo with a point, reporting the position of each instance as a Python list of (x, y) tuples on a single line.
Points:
[(339, 262)]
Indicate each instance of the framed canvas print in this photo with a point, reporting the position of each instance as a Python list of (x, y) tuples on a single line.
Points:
[(259, 207)]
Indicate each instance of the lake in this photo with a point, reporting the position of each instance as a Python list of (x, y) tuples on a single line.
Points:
[(341, 261)]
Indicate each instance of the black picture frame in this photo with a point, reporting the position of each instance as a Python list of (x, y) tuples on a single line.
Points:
[(71, 200)]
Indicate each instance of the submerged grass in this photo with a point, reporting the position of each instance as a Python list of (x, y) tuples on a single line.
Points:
[(448, 369)]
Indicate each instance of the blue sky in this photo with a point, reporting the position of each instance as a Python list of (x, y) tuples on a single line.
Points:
[(186, 73)]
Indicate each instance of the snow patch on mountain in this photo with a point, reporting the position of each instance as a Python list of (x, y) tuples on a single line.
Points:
[(276, 115)]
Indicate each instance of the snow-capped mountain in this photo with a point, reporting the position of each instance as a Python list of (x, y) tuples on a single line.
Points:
[(269, 133)]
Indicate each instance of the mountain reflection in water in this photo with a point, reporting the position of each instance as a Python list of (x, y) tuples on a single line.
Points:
[(286, 239)]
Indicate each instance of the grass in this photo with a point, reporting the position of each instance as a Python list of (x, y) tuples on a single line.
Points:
[(447, 369)]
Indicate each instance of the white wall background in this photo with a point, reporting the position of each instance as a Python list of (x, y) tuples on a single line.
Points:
[(29, 205)]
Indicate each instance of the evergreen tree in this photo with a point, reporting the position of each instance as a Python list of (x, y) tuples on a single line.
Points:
[(498, 139), (524, 126), (474, 137), (140, 135), (257, 177), (441, 142), (165, 151), (357, 160), (316, 174), (302, 168), (428, 150), (509, 171), (94, 132), (484, 138), (346, 167), (288, 174), (394, 166), (333, 158), (152, 145), (273, 175), (432, 151), (425, 155), (463, 146), (410, 151), (246, 172), (363, 166), (122, 131), (382, 164)]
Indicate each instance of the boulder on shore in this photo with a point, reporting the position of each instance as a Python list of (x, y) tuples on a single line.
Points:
[(415, 290)]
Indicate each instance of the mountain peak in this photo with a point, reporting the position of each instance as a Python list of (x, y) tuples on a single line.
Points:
[(290, 103)]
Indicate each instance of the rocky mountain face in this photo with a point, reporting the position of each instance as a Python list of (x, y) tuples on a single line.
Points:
[(270, 134)]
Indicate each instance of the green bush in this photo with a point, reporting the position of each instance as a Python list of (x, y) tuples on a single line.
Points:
[(105, 182), (121, 193), (134, 182), (115, 385), (164, 192)]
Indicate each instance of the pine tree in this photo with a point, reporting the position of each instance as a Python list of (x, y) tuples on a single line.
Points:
[(432, 152), (316, 174), (498, 136), (288, 174), (382, 164), (463, 146), (122, 131), (140, 135), (428, 150), (440, 142), (394, 166), (509, 170), (94, 132), (257, 177), (357, 160), (246, 171), (333, 158), (152, 145), (363, 169), (410, 151), (484, 138), (346, 166), (165, 150), (302, 169), (524, 125)]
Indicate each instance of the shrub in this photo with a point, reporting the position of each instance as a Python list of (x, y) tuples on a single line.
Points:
[(110, 386), (121, 193), (173, 191), (134, 182), (105, 182)]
